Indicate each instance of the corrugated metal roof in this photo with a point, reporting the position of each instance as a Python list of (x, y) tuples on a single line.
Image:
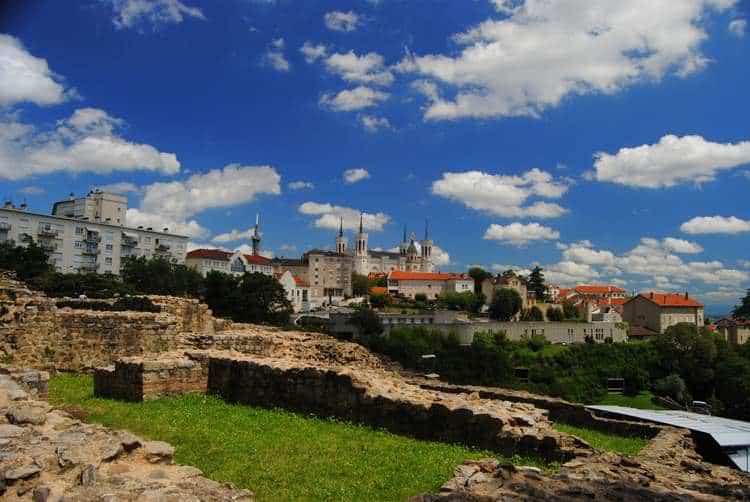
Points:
[(729, 434)]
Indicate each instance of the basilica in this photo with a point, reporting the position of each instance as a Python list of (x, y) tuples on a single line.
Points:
[(412, 255)]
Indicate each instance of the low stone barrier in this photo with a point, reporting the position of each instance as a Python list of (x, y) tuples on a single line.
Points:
[(375, 399)]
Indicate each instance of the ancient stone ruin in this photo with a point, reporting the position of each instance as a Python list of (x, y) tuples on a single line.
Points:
[(139, 356)]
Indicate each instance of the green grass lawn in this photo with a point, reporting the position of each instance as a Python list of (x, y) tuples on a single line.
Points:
[(641, 401), (618, 444), (277, 454)]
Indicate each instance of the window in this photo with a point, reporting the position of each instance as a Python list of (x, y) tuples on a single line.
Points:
[(108, 260), (108, 247), (79, 230)]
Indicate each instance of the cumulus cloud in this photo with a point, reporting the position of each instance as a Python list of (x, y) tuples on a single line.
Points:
[(131, 13), (26, 78), (504, 195), (354, 99), (737, 27), (365, 69), (520, 234), (671, 161), (355, 175), (301, 185), (541, 52), (119, 187), (503, 267), (341, 21), (372, 123), (234, 235), (274, 56), (32, 190), (173, 203), (715, 225), (85, 142), (440, 257), (681, 246), (138, 218), (313, 52), (329, 216)]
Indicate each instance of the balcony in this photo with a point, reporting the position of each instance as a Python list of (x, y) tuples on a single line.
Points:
[(47, 232), (27, 238), (90, 252), (129, 242), (162, 248), (4, 227), (49, 247), (92, 239), (88, 267)]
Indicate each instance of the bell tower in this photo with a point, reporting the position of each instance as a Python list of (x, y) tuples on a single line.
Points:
[(340, 239), (426, 246), (360, 253)]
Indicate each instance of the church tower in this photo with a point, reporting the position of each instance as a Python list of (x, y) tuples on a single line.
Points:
[(426, 245), (361, 254), (256, 236), (404, 246), (412, 255), (340, 239)]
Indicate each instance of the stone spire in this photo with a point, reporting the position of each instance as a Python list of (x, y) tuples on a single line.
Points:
[(256, 235), (360, 222), (341, 227)]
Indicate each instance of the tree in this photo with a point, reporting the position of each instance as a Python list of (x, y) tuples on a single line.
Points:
[(535, 283), (479, 275), (379, 301), (28, 262), (360, 284), (368, 324), (555, 314), (570, 311), (262, 299), (458, 301), (533, 314), (505, 305), (636, 380), (743, 309)]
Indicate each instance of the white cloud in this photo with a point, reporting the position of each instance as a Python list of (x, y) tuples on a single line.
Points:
[(715, 225), (440, 257), (172, 203), (234, 236), (582, 252), (355, 175), (274, 56), (329, 216), (541, 52), (519, 234), (341, 21), (365, 69), (301, 185), (737, 27), (32, 190), (723, 295), (129, 13), (119, 187), (354, 99), (504, 195), (568, 273), (502, 267), (85, 142), (671, 161), (26, 78), (371, 123), (681, 246), (313, 52), (744, 263)]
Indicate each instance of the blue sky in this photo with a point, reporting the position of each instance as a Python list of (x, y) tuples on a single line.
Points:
[(606, 141)]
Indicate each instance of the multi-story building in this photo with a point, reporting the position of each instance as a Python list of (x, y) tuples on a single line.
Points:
[(509, 280), (329, 274), (430, 284), (88, 234), (657, 311), (218, 260), (297, 291), (735, 331)]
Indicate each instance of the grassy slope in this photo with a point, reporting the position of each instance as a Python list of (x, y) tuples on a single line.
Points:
[(277, 454), (641, 401), (618, 444)]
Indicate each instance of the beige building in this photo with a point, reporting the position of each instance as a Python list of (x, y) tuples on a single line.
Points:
[(89, 234), (430, 284), (329, 275), (508, 280), (218, 260), (297, 291), (734, 331), (658, 311)]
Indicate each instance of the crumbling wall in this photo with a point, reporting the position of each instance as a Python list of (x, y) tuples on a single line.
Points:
[(379, 400)]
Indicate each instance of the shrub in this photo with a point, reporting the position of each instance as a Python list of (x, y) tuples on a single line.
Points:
[(137, 304), (672, 386), (636, 381), (505, 305), (537, 342), (420, 297), (555, 314)]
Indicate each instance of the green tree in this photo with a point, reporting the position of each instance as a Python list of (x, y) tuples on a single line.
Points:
[(28, 262), (505, 304), (458, 301), (570, 312), (533, 314), (379, 301), (636, 380), (368, 325), (360, 284), (743, 309), (535, 283), (479, 275), (690, 353), (555, 314), (262, 299)]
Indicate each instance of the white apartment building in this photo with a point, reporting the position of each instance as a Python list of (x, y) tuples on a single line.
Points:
[(430, 284), (218, 260), (88, 234)]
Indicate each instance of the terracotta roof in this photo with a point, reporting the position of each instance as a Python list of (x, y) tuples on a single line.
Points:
[(300, 282), (257, 260), (375, 275), (641, 332), (426, 276), (377, 290), (670, 299), (213, 254), (612, 301), (597, 289)]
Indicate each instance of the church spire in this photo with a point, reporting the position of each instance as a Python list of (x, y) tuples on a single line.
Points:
[(341, 227), (426, 230), (256, 235), (404, 233), (360, 222)]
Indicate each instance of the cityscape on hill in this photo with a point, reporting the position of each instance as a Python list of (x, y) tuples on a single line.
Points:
[(374, 250)]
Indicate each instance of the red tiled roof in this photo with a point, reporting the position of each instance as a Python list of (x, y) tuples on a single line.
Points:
[(213, 254), (597, 289), (257, 260), (670, 299), (426, 276), (300, 282), (612, 301), (378, 290), (372, 276)]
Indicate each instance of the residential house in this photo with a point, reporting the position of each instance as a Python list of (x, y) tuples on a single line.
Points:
[(509, 280), (656, 312), (430, 284), (227, 262), (297, 291)]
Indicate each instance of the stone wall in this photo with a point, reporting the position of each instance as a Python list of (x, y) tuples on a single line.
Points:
[(379, 400), (47, 455)]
